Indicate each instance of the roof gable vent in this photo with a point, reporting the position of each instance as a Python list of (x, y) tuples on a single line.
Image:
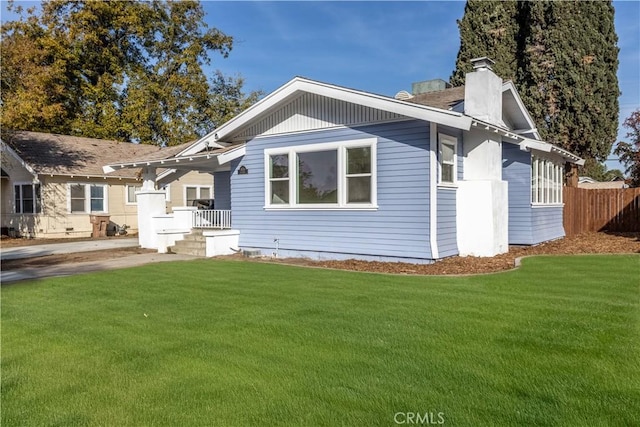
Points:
[(403, 95)]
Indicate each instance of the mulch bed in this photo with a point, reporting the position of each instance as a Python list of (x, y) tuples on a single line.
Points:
[(586, 243)]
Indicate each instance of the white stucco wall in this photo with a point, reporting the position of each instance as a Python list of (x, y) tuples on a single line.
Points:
[(483, 96), (482, 155), (482, 218)]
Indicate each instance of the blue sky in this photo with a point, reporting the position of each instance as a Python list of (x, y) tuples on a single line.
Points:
[(375, 46)]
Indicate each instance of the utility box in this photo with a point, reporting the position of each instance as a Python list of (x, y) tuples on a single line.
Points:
[(100, 223)]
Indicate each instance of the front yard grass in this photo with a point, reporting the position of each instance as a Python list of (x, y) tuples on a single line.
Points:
[(227, 343)]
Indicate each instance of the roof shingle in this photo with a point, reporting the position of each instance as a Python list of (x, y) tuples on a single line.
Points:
[(72, 155)]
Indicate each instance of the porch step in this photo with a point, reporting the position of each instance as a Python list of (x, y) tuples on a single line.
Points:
[(192, 244)]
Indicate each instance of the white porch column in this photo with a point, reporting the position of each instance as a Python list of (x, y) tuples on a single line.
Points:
[(151, 202)]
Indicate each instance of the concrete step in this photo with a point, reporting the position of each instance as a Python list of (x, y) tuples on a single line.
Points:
[(194, 252), (184, 244), (192, 244)]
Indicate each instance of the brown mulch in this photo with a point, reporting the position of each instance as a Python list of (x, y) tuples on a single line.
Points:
[(586, 243), (47, 260)]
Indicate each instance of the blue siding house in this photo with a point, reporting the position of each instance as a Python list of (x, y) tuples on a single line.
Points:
[(326, 172)]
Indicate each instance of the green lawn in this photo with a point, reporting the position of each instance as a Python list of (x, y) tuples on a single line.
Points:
[(238, 343)]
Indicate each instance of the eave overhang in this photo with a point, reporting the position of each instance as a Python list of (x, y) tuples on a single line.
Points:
[(206, 162), (299, 85), (528, 144)]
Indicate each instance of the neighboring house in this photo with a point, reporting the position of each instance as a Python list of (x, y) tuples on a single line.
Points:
[(52, 184), (590, 183), (323, 171)]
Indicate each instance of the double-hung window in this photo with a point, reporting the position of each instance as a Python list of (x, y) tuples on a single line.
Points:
[(131, 193), (546, 181), (447, 159), (87, 198), (195, 192), (28, 198), (324, 175)]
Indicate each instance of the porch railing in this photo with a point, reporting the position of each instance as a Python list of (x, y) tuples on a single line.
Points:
[(212, 219)]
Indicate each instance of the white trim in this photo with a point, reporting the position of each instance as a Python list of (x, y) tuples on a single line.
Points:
[(336, 127), (232, 154), (33, 193), (341, 169), (445, 139), (5, 147), (433, 190), (87, 198), (300, 85), (509, 86), (126, 196), (198, 188)]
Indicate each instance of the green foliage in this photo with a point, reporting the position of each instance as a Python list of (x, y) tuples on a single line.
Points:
[(598, 171), (629, 152), (120, 69), (563, 58), (487, 29), (238, 343)]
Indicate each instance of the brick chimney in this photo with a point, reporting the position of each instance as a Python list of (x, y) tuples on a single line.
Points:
[(483, 92)]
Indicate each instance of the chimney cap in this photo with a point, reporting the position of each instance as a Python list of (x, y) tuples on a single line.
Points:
[(482, 63)]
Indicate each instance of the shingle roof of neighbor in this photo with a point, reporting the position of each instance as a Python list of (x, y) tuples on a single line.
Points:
[(72, 155), (443, 99)]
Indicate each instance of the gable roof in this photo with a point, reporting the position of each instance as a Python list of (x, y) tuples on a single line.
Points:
[(301, 85), (53, 154)]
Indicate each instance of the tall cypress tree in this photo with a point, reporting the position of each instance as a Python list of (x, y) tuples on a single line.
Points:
[(566, 60), (487, 29)]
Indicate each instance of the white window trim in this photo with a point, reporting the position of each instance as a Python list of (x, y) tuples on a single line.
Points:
[(184, 191), (126, 194), (87, 198), (551, 188), (452, 140), (33, 184), (341, 148)]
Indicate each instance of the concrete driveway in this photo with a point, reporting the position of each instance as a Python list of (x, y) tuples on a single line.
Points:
[(70, 269), (33, 251)]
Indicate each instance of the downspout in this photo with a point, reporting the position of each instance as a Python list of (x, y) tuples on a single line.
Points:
[(433, 189)]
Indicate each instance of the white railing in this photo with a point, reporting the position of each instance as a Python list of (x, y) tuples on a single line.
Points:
[(212, 219)]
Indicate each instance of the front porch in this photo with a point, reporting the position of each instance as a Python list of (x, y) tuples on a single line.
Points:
[(204, 232)]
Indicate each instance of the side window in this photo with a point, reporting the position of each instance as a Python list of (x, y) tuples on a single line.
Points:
[(447, 159)]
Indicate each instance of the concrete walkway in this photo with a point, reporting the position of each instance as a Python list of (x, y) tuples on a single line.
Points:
[(21, 252), (89, 266), (33, 251)]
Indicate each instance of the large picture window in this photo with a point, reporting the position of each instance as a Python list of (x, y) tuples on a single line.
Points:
[(546, 181), (87, 198), (327, 175), (27, 198)]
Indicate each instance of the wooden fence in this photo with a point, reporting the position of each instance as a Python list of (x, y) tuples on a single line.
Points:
[(601, 210)]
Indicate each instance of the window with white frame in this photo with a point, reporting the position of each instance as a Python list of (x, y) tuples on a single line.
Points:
[(546, 181), (324, 175), (131, 193), (447, 148), (87, 198), (28, 198), (195, 192)]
